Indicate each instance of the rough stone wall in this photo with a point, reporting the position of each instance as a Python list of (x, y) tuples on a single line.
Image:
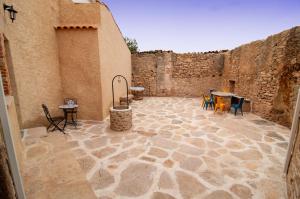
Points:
[(164, 73), (267, 72), (144, 72), (293, 176), (7, 189), (3, 68), (194, 74)]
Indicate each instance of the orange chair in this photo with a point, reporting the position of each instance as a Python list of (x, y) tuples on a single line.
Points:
[(219, 104)]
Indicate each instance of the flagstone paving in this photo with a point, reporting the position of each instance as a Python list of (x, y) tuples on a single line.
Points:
[(176, 149)]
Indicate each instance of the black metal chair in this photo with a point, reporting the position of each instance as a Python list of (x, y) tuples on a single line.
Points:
[(53, 121), (74, 111), (238, 106)]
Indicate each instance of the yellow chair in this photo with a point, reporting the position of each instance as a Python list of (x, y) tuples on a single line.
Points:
[(219, 104)]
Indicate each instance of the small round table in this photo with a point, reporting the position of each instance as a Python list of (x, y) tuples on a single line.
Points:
[(67, 108), (138, 92)]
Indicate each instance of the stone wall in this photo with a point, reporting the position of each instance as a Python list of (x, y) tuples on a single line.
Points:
[(3, 67), (7, 189), (293, 175), (165, 73), (267, 72)]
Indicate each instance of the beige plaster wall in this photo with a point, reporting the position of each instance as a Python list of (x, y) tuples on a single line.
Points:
[(80, 70), (33, 47), (115, 58), (79, 14)]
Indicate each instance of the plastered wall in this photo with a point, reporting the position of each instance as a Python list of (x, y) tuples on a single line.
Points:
[(115, 59), (80, 70), (41, 57), (33, 49)]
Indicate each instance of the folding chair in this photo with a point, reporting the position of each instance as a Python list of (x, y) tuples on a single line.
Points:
[(54, 121)]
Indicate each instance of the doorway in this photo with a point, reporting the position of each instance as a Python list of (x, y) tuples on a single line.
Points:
[(231, 86)]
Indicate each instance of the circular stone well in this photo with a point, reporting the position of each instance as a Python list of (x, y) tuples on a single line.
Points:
[(120, 118)]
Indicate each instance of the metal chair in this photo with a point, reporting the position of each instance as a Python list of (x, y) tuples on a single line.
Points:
[(207, 102), (54, 121), (238, 106), (74, 111)]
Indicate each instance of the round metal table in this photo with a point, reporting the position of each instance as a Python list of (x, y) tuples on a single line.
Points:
[(68, 109), (138, 92)]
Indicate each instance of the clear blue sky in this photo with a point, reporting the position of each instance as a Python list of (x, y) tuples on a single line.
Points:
[(198, 25)]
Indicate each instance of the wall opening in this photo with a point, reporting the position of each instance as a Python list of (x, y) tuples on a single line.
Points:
[(231, 86)]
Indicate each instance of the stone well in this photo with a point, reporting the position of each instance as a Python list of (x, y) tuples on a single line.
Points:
[(120, 118)]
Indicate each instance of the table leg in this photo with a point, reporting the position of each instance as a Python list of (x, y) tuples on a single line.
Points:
[(73, 121), (66, 119)]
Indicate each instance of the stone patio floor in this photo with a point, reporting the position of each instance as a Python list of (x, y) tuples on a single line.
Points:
[(176, 149)]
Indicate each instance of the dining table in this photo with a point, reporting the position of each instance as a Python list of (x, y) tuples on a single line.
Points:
[(226, 96), (229, 98), (69, 109)]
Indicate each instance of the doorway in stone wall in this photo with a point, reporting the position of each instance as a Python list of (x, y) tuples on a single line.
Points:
[(231, 86)]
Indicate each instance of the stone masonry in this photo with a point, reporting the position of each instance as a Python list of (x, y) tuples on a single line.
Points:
[(7, 189), (4, 68), (293, 176), (267, 72), (165, 73), (120, 119)]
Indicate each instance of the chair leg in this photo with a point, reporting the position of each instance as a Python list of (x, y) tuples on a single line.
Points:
[(49, 127), (242, 111), (58, 128), (235, 110), (73, 121)]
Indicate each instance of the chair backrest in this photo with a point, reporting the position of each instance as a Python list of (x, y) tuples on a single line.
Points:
[(66, 100), (212, 98), (47, 113), (208, 99), (241, 102)]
